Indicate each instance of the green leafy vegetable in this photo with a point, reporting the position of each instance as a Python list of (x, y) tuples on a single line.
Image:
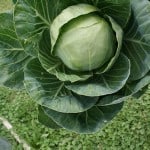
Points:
[(78, 59)]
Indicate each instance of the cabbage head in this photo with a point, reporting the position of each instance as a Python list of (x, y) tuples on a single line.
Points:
[(78, 59)]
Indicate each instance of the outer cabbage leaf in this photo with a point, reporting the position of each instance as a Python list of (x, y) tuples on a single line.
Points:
[(12, 55), (107, 83), (137, 39), (134, 87), (45, 120), (130, 89), (50, 92), (31, 18), (54, 66), (14, 1), (119, 10), (141, 92), (86, 122)]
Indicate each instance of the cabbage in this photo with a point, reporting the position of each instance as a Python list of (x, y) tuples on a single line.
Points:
[(79, 60)]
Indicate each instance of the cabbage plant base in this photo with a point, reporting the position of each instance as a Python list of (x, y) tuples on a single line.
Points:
[(82, 101)]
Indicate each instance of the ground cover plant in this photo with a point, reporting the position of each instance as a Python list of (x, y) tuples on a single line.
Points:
[(79, 84)]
